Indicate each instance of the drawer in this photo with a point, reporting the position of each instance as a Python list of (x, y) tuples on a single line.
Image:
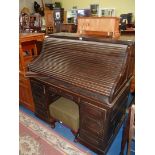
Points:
[(42, 116), (37, 87), (38, 96), (41, 106), (52, 90), (90, 138), (93, 126), (69, 96), (42, 112), (39, 99), (92, 111), (63, 93), (52, 97)]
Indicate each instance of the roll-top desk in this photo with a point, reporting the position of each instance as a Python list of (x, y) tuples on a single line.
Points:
[(95, 74)]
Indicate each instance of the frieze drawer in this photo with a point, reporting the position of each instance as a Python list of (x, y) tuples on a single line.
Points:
[(63, 93), (52, 97)]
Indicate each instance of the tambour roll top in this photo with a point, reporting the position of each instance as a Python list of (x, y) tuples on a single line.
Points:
[(100, 69)]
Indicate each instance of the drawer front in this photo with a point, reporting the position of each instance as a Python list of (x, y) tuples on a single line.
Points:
[(41, 104), (87, 109), (91, 139), (53, 90), (39, 99), (37, 87), (63, 93), (92, 126), (42, 112), (52, 97)]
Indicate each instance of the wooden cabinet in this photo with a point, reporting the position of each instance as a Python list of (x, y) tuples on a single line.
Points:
[(27, 52), (54, 18), (49, 20)]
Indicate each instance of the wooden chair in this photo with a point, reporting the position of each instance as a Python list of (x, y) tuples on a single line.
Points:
[(128, 131), (28, 51)]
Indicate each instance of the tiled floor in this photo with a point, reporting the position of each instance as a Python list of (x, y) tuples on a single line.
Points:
[(65, 132)]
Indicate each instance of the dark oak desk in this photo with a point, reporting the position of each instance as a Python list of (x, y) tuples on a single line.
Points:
[(95, 74)]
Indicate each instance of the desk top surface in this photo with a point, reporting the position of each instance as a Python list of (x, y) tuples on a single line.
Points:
[(31, 36), (123, 37)]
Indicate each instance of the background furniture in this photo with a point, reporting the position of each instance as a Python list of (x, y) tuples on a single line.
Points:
[(27, 52), (68, 27), (58, 14), (53, 18), (99, 26), (30, 23), (49, 20)]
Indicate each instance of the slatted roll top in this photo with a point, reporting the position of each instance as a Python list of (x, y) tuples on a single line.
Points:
[(94, 66)]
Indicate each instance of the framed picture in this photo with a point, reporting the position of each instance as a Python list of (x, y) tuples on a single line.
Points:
[(94, 8), (107, 12), (57, 15)]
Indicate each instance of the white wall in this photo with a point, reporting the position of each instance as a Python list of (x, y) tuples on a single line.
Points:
[(121, 6)]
